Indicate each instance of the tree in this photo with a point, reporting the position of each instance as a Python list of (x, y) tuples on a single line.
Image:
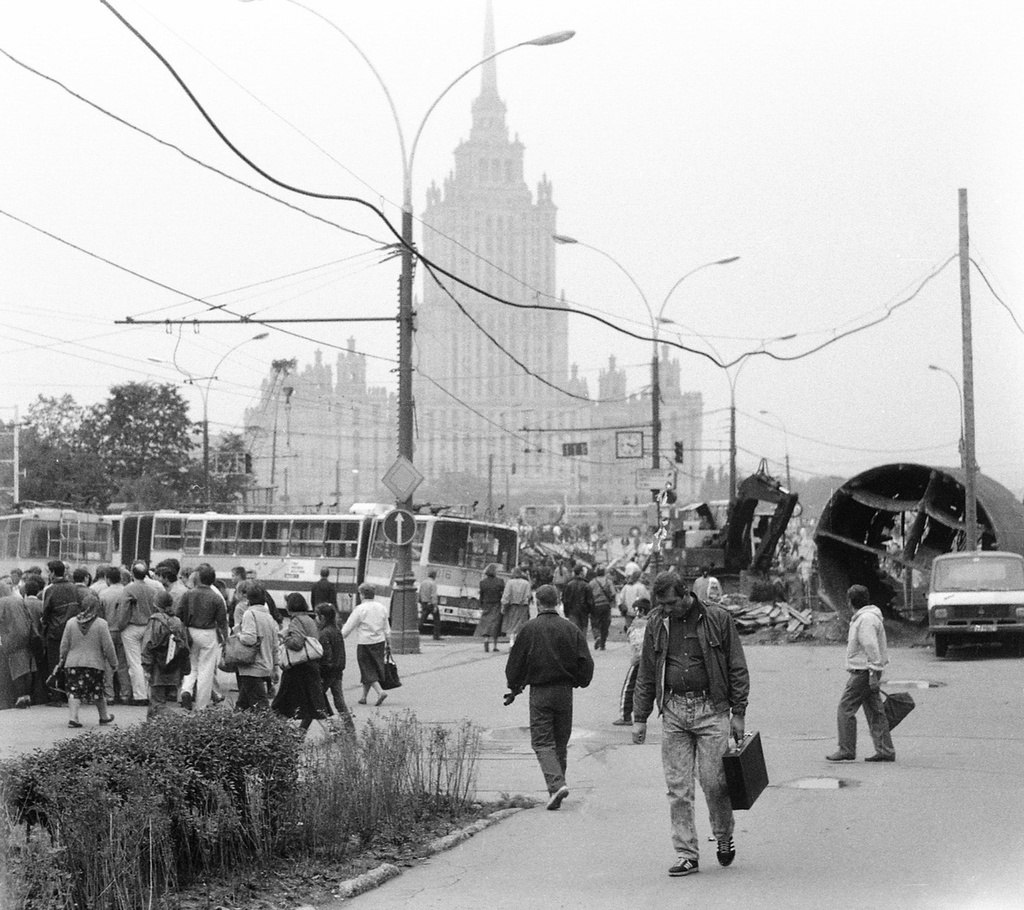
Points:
[(145, 442)]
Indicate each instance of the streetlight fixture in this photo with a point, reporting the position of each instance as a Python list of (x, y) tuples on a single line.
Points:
[(206, 419), (405, 624), (970, 518), (785, 436), (656, 323)]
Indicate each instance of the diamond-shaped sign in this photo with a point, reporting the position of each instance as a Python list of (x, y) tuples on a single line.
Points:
[(402, 478)]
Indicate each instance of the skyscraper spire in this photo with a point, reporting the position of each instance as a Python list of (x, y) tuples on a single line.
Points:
[(489, 76)]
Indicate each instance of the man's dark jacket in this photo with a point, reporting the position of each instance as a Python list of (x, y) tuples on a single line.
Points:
[(549, 651), (728, 679), (577, 598), (61, 601)]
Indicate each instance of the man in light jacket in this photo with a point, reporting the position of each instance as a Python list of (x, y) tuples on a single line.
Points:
[(866, 658)]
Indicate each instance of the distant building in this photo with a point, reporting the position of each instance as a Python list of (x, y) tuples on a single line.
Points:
[(483, 423)]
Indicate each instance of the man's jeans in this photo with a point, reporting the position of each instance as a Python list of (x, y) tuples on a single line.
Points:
[(858, 692), (693, 730), (550, 729), (131, 638)]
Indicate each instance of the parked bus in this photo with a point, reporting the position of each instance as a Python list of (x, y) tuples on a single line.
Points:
[(459, 549), (36, 535), (286, 552)]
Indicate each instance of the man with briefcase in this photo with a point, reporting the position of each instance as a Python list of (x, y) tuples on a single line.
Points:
[(692, 664)]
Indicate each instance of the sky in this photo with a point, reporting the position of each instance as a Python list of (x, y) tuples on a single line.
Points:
[(822, 144)]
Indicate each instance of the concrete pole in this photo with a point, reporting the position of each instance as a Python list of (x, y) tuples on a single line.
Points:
[(970, 491)]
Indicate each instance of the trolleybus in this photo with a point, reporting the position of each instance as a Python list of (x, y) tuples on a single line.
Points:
[(36, 535)]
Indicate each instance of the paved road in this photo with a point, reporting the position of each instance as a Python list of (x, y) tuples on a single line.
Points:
[(939, 829)]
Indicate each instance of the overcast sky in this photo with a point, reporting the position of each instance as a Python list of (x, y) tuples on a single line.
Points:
[(823, 144)]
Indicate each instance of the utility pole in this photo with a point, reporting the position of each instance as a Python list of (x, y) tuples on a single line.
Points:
[(490, 487), (970, 491)]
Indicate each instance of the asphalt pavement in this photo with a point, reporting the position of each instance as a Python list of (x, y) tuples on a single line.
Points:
[(940, 828)]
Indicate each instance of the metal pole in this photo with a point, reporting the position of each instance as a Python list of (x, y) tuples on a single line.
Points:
[(971, 504), (732, 439), (655, 404)]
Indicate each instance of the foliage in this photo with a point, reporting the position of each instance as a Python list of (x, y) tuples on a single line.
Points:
[(117, 821)]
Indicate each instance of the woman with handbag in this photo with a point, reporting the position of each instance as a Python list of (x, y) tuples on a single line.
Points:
[(86, 650), (301, 694), (369, 620)]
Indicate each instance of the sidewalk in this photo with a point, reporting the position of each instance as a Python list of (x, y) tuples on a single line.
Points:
[(938, 829)]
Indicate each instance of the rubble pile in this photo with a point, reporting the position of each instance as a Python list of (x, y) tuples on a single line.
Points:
[(751, 616)]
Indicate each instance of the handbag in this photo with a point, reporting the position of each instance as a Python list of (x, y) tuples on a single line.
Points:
[(390, 680), (311, 650), (235, 654), (896, 707), (58, 680)]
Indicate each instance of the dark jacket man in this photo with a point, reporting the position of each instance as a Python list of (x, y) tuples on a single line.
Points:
[(578, 599)]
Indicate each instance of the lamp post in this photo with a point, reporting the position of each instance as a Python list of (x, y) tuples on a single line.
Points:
[(656, 323), (785, 436), (405, 620), (970, 520), (206, 419)]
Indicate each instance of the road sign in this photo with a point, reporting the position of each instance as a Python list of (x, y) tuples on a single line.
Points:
[(655, 479), (399, 526), (402, 478)]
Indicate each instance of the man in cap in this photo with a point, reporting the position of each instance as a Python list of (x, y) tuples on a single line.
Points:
[(550, 655), (692, 664)]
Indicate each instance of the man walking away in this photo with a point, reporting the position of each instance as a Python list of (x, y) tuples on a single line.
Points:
[(550, 655), (578, 599), (866, 657), (61, 601), (324, 591), (136, 602), (430, 607), (204, 613), (693, 665), (603, 590)]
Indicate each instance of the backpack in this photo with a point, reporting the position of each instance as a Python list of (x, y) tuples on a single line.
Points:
[(175, 652)]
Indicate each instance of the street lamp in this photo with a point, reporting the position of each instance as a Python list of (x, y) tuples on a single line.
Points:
[(206, 420), (960, 395), (970, 518), (785, 436), (656, 323), (406, 629)]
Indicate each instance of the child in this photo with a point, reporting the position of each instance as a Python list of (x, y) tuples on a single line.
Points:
[(165, 656), (635, 639)]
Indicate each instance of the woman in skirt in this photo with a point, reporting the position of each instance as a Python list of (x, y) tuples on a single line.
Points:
[(86, 650), (369, 620), (300, 694), (491, 589)]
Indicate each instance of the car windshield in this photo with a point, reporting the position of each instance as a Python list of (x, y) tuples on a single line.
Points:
[(979, 574)]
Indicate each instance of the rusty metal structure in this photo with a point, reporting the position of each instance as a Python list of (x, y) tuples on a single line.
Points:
[(883, 528)]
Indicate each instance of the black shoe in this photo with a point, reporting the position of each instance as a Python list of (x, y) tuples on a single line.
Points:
[(557, 797), (186, 700), (109, 719), (683, 867), (726, 851), (840, 756), (880, 758)]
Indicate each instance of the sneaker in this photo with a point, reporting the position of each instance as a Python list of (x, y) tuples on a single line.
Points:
[(623, 722), (683, 867), (726, 851), (557, 797), (840, 756), (880, 758)]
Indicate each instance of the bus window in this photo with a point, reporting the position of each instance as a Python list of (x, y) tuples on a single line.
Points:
[(193, 536), (275, 538), (167, 533), (250, 538), (307, 539), (382, 548), (95, 538), (39, 539), (483, 547), (9, 530), (448, 543), (220, 538), (342, 539)]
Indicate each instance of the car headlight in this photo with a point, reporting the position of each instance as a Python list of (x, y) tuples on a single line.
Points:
[(1020, 612), (940, 613)]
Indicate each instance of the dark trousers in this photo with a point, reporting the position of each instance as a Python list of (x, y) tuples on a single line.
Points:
[(550, 729), (858, 693), (432, 610), (332, 684), (602, 622), (626, 695), (252, 693), (581, 617)]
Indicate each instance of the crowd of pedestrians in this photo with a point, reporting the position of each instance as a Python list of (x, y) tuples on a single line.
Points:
[(153, 637)]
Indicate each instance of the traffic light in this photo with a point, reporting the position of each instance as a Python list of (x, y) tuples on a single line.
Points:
[(678, 456)]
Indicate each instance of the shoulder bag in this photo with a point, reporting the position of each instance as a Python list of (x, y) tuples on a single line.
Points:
[(236, 654), (390, 680)]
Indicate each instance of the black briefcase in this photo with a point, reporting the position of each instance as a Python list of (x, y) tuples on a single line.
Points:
[(745, 772)]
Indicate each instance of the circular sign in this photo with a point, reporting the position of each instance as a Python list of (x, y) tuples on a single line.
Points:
[(399, 526)]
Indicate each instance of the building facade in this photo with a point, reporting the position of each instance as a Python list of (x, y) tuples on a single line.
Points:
[(502, 416)]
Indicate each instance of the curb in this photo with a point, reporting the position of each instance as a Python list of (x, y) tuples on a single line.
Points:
[(386, 871)]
